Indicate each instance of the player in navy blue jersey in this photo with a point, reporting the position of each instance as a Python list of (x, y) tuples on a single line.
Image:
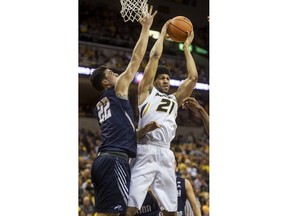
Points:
[(150, 207), (185, 192), (110, 172)]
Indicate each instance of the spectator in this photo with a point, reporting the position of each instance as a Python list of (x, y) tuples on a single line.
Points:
[(87, 206)]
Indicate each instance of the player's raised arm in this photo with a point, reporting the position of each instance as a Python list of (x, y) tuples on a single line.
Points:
[(139, 50), (146, 84), (186, 88)]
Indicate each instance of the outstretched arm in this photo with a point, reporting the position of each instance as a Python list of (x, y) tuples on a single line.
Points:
[(191, 198), (193, 104), (186, 88), (125, 79), (146, 84)]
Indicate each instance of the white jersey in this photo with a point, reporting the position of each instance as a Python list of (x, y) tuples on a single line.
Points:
[(161, 108)]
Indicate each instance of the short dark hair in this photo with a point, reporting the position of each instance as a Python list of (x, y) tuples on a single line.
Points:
[(162, 69), (97, 76)]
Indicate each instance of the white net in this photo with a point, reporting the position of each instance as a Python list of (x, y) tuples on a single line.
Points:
[(133, 9)]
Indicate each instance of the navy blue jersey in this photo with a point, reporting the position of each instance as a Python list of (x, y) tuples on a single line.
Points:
[(115, 117), (181, 195), (149, 207)]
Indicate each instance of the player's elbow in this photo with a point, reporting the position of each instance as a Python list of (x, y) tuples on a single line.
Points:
[(155, 55), (193, 78)]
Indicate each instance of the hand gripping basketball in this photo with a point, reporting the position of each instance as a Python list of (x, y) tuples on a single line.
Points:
[(179, 28)]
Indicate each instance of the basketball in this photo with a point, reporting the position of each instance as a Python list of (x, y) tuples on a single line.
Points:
[(178, 28)]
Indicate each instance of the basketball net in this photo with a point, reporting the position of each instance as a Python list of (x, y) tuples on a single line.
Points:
[(133, 9)]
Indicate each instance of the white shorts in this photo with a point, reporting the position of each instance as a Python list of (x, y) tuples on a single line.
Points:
[(153, 166)]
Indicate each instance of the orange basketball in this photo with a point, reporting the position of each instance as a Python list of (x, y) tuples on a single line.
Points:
[(178, 28)]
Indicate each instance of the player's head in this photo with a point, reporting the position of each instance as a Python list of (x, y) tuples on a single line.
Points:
[(162, 79), (102, 78)]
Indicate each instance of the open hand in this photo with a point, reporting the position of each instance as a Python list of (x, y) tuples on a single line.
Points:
[(147, 17)]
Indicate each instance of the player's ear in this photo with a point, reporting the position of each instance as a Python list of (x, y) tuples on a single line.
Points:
[(104, 82)]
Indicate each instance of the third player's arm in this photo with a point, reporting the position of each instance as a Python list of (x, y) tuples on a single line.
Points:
[(186, 88), (146, 84), (193, 104)]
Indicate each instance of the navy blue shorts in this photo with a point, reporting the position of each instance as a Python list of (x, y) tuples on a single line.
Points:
[(111, 179)]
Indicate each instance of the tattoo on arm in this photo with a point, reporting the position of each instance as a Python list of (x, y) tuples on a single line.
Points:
[(122, 96)]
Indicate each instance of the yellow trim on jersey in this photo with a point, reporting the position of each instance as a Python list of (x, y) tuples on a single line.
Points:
[(146, 109)]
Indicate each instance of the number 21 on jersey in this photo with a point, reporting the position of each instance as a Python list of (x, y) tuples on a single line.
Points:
[(166, 105)]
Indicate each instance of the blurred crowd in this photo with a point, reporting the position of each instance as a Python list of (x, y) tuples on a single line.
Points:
[(102, 30), (186, 2), (104, 25), (94, 55), (191, 152)]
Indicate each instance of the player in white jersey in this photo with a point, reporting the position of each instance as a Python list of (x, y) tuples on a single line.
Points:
[(161, 108), (154, 163)]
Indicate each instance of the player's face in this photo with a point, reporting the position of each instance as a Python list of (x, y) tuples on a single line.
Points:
[(111, 77), (162, 83)]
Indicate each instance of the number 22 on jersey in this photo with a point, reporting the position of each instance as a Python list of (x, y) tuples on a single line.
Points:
[(103, 109)]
